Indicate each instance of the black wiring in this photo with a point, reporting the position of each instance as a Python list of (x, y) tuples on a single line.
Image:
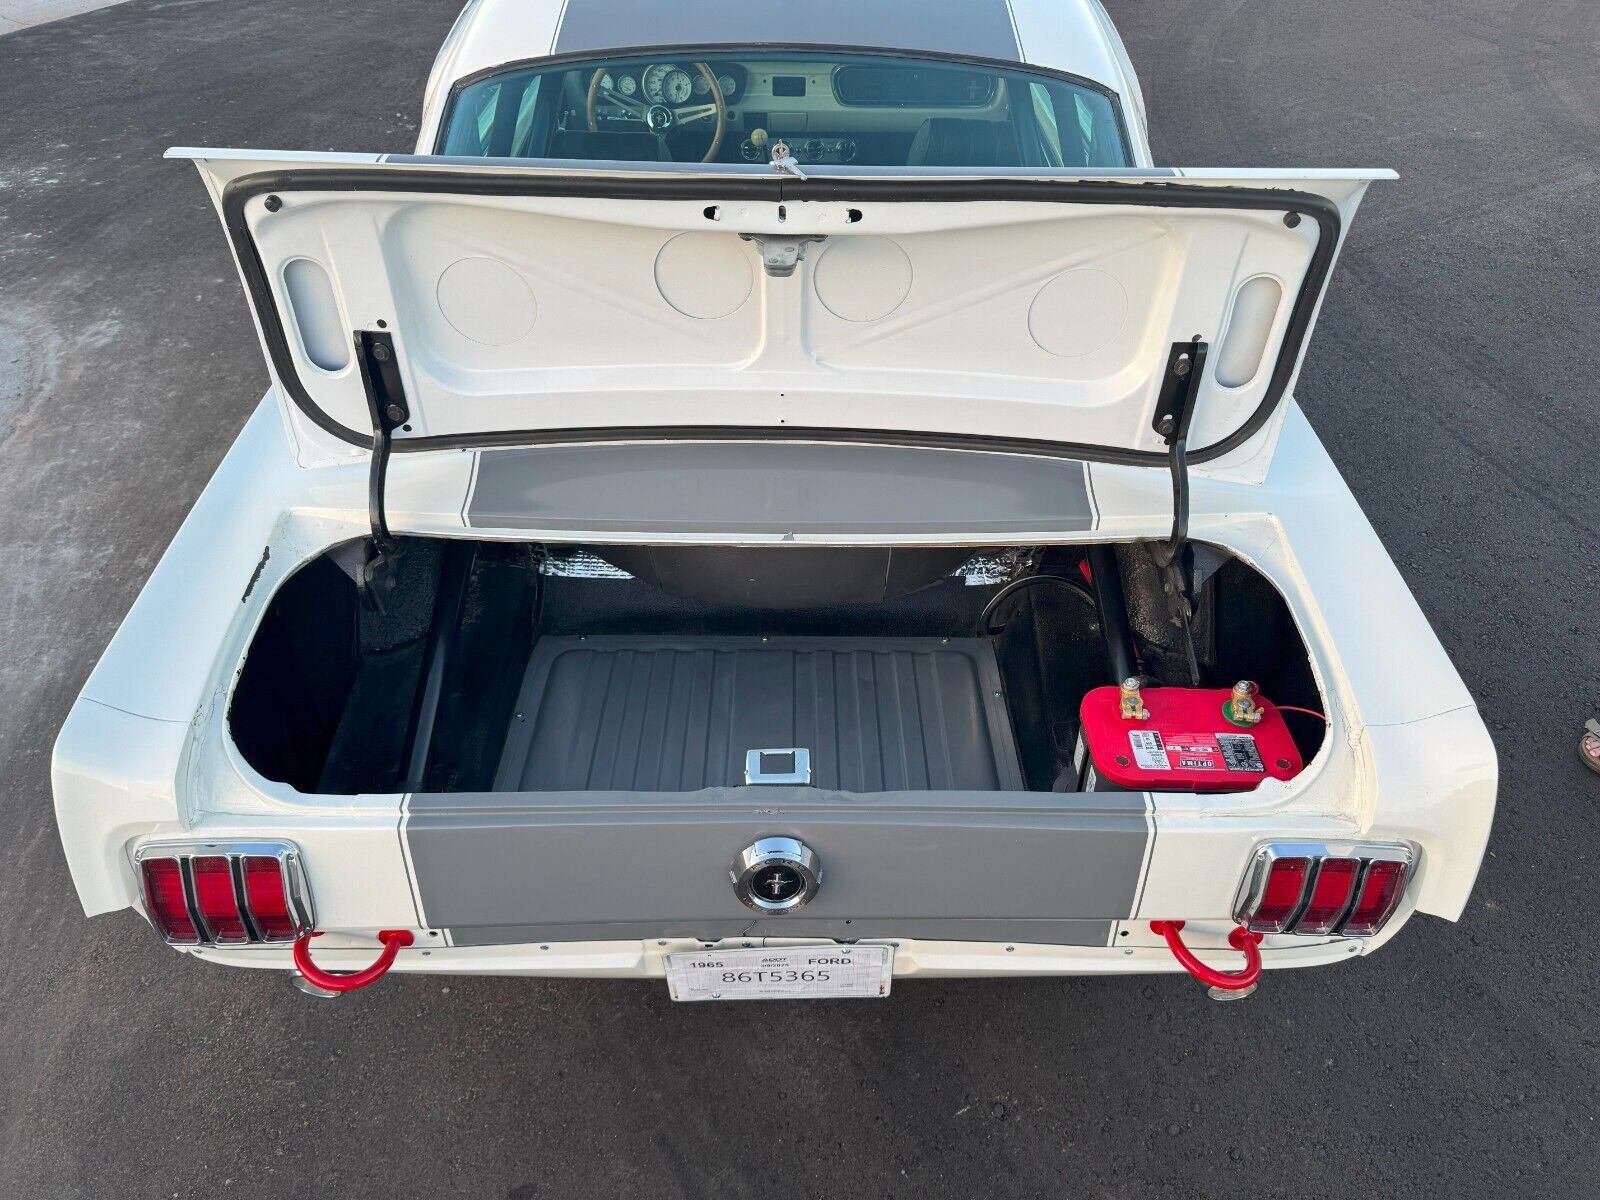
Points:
[(1017, 585)]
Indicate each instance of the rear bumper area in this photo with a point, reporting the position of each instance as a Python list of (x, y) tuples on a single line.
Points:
[(1140, 953)]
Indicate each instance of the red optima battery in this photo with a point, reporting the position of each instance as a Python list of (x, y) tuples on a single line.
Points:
[(1188, 740)]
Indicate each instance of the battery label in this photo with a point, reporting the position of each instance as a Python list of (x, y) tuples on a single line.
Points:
[(1195, 751), (1240, 753), (1148, 751)]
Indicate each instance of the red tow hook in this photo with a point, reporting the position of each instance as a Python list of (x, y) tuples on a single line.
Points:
[(392, 939), (1224, 985)]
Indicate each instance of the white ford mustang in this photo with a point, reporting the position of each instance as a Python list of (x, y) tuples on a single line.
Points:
[(780, 498)]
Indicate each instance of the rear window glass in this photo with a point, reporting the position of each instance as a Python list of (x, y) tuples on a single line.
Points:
[(825, 109)]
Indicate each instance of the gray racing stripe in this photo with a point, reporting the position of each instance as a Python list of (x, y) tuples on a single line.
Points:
[(981, 28), (944, 863), (777, 488)]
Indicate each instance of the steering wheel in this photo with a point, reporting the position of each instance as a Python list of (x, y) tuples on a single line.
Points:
[(659, 118)]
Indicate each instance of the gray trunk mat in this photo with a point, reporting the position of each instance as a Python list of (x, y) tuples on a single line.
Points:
[(673, 714)]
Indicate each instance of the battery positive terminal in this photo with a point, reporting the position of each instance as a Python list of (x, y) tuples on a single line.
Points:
[(1242, 706)]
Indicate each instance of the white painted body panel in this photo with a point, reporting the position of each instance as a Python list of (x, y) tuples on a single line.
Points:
[(145, 754)]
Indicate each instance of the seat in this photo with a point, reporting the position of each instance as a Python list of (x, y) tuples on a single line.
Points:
[(609, 145), (957, 142)]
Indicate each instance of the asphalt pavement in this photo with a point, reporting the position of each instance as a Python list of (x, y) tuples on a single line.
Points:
[(1451, 377)]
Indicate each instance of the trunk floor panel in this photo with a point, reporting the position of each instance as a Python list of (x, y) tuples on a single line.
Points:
[(661, 713)]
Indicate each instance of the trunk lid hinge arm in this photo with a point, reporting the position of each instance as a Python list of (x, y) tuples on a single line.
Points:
[(1186, 365), (386, 403)]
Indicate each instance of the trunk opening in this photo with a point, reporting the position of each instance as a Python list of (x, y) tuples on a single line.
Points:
[(514, 667)]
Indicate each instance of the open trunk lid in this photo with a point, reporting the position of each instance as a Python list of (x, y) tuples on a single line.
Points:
[(557, 302)]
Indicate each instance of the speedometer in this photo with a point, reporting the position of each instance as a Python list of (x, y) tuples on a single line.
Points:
[(664, 83)]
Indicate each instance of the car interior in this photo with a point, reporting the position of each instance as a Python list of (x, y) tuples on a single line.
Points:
[(871, 110)]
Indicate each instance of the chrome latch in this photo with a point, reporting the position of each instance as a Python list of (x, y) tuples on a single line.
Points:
[(791, 765)]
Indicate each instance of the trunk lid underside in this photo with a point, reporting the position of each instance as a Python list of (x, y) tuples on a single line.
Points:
[(534, 302)]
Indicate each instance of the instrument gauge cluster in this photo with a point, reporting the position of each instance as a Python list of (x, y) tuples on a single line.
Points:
[(674, 84)]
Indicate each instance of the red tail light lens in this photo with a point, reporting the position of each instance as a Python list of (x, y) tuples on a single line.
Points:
[(217, 900), (1381, 888), (167, 902), (1330, 895), (225, 893), (269, 905), (1322, 890), (1280, 896)]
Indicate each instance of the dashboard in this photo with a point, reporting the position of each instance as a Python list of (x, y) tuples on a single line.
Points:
[(674, 83), (825, 113)]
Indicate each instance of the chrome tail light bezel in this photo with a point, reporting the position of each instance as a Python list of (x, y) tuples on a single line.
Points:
[(1253, 887), (297, 894)]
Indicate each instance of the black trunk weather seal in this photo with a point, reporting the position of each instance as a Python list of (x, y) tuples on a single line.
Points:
[(237, 195)]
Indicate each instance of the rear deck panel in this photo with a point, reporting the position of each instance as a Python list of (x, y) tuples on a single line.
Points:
[(776, 488)]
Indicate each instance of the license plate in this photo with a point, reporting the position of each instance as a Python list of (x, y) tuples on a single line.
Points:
[(781, 973)]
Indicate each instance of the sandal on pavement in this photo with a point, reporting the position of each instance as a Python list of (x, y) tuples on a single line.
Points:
[(1589, 745)]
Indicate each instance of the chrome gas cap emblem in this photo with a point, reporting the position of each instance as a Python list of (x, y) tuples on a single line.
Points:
[(776, 874)]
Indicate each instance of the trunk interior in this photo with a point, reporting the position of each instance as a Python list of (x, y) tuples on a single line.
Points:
[(515, 667)]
